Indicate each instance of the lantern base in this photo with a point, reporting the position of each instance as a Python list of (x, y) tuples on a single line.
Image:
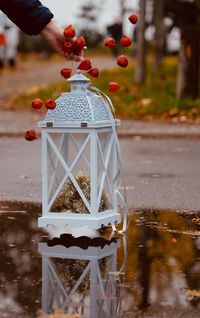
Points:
[(78, 220)]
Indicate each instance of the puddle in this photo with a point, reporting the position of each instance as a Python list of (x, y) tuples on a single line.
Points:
[(153, 272)]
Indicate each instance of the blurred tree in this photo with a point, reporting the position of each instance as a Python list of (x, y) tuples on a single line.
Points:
[(89, 15), (160, 32), (115, 30), (186, 15), (123, 9), (140, 54)]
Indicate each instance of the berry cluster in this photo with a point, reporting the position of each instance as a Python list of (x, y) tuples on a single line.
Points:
[(75, 47)]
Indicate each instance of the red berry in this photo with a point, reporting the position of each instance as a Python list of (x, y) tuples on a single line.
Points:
[(67, 47), (133, 18), (66, 72), (125, 41), (30, 135), (122, 61), (79, 44), (113, 87), (37, 103), (69, 32), (173, 240), (50, 104), (85, 65), (110, 43), (94, 72)]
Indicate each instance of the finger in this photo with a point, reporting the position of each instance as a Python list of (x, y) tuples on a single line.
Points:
[(76, 58)]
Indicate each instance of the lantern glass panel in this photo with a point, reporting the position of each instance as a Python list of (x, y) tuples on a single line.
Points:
[(69, 165), (105, 167), (56, 170)]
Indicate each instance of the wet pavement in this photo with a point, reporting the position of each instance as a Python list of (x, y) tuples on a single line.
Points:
[(158, 173), (154, 271)]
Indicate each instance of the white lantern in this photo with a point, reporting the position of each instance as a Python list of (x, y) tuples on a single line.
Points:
[(82, 281), (80, 161)]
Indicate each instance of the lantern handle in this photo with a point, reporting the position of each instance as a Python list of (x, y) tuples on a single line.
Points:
[(109, 105)]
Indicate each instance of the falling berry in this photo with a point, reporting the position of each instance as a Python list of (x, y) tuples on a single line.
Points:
[(69, 32), (94, 72), (133, 18), (173, 240), (113, 87), (125, 41), (85, 65), (79, 44), (122, 61), (188, 52), (37, 103), (50, 104), (67, 47), (110, 43), (66, 72), (30, 135)]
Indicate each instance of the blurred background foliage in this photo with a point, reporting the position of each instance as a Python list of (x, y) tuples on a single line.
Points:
[(160, 83)]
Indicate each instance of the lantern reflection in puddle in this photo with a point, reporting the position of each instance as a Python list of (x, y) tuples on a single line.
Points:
[(80, 159), (83, 281)]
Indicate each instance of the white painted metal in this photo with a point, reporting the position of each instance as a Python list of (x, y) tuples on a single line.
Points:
[(93, 173), (93, 119), (78, 220), (44, 175)]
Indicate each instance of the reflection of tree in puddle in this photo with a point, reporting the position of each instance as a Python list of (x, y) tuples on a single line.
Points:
[(20, 266), (166, 262)]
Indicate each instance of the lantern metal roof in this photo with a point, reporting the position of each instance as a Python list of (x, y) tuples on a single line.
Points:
[(81, 106)]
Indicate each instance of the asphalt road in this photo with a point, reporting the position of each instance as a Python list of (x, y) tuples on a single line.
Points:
[(158, 173)]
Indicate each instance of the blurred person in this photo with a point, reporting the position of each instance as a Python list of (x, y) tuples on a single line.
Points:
[(2, 40), (12, 41), (9, 41), (33, 18)]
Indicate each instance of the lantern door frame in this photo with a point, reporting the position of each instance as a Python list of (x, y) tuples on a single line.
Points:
[(94, 219)]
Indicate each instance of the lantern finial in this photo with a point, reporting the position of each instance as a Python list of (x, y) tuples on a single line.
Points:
[(79, 82)]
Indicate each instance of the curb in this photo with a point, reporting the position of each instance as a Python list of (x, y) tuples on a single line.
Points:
[(124, 135)]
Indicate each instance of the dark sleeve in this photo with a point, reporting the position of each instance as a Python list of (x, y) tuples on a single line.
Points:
[(29, 15)]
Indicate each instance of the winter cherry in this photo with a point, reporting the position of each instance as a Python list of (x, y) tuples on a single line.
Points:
[(37, 103), (125, 41), (173, 240), (69, 32), (110, 43), (85, 65), (94, 72), (50, 104), (113, 87), (67, 47), (122, 61), (66, 72), (30, 135), (79, 44), (133, 18)]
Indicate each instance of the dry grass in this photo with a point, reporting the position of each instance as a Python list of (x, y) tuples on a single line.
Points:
[(69, 200)]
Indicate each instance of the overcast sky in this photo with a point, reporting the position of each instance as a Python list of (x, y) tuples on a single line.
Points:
[(65, 11)]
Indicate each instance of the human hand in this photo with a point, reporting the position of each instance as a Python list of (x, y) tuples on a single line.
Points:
[(54, 35)]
